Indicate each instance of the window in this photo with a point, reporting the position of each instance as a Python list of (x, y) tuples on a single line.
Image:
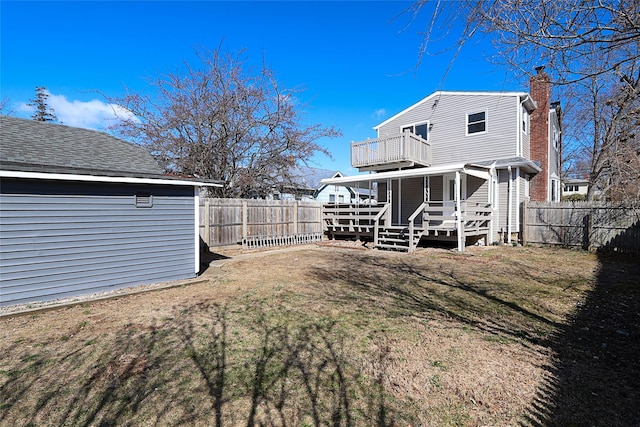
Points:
[(421, 129), (476, 122), (525, 120), (332, 198)]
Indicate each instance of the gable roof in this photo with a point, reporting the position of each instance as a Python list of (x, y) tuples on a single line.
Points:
[(32, 146), (308, 178), (524, 96)]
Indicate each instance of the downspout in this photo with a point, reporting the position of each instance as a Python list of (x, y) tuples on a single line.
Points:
[(493, 179), (518, 199), (519, 148), (459, 214), (510, 205)]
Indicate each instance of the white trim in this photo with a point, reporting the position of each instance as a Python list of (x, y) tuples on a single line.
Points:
[(486, 122), (477, 173), (413, 126), (493, 200), (518, 178), (108, 179), (510, 205), (446, 182), (196, 206), (458, 194), (399, 201), (441, 93), (409, 173)]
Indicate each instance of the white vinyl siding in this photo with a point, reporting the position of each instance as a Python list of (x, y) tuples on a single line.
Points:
[(412, 197), (333, 193), (447, 117), (477, 190)]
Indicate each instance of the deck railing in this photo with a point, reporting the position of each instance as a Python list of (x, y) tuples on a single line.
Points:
[(443, 216), (404, 147), (356, 218), (438, 217)]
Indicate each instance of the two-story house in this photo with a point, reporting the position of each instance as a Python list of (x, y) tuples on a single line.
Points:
[(455, 166)]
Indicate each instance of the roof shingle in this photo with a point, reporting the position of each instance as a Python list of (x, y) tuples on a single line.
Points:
[(27, 145)]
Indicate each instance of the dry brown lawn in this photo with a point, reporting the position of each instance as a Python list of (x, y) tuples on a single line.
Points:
[(334, 336)]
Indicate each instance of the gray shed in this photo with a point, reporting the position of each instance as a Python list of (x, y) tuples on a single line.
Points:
[(82, 212)]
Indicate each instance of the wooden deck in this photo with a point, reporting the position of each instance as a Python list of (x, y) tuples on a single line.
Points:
[(407, 149), (431, 220)]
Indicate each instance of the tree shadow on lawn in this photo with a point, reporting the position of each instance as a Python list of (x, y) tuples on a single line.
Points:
[(595, 376), (197, 367), (408, 286)]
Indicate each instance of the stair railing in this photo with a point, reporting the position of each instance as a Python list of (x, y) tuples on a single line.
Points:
[(412, 219), (376, 222)]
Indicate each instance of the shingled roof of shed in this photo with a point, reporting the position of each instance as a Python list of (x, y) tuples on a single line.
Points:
[(31, 146)]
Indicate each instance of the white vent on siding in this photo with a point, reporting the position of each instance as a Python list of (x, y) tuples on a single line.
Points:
[(144, 200)]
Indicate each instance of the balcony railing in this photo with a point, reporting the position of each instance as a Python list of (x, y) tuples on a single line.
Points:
[(406, 147)]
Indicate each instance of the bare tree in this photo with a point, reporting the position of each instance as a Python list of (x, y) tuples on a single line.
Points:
[(42, 113), (591, 50), (5, 109), (219, 121)]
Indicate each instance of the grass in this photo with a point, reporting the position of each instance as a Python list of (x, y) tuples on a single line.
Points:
[(335, 337)]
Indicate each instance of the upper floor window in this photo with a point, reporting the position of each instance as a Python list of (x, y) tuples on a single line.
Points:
[(525, 120), (476, 122), (421, 129)]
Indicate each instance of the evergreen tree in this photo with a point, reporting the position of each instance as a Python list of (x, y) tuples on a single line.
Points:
[(42, 113)]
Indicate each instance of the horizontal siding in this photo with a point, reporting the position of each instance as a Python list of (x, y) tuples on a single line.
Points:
[(436, 189), (64, 239), (449, 142), (477, 190), (412, 197)]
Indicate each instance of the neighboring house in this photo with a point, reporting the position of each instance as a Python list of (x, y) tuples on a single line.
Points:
[(574, 186), (83, 212), (307, 186), (456, 166)]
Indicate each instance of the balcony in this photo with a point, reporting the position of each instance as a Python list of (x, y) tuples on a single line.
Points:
[(403, 150)]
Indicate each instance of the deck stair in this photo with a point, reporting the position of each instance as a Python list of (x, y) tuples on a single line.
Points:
[(398, 238)]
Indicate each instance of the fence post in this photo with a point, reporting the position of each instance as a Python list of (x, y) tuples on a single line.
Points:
[(245, 216), (524, 222), (586, 233), (295, 218), (207, 221)]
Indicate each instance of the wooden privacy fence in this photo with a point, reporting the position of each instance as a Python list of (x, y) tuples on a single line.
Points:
[(592, 226), (259, 223)]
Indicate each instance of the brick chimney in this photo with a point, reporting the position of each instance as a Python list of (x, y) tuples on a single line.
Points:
[(540, 92)]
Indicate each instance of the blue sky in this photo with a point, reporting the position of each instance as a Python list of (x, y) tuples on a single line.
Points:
[(355, 61)]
